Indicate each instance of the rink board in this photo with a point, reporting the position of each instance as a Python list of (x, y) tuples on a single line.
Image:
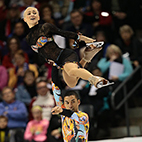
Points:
[(131, 139)]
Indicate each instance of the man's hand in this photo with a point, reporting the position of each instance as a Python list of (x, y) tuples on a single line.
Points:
[(56, 110)]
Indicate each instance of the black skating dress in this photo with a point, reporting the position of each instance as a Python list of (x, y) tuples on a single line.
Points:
[(40, 39)]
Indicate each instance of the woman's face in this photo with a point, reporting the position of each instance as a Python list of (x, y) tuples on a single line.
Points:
[(19, 29), (19, 60), (46, 11), (31, 16), (29, 79), (126, 36), (113, 53), (13, 45), (96, 5)]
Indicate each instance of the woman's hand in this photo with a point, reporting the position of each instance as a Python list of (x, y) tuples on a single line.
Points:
[(20, 72), (113, 57)]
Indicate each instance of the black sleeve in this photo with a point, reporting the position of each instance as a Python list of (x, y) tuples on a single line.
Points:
[(55, 77), (51, 29), (66, 112)]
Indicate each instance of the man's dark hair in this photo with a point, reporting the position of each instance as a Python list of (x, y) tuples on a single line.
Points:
[(76, 10), (71, 92)]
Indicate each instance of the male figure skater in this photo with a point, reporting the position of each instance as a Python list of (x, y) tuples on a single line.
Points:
[(75, 124)]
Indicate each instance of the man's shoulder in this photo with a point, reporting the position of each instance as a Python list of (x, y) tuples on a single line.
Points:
[(83, 114)]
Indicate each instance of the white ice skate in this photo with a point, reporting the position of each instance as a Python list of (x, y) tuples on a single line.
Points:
[(91, 50), (100, 84), (97, 44)]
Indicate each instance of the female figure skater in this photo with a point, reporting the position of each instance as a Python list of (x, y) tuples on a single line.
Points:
[(41, 41)]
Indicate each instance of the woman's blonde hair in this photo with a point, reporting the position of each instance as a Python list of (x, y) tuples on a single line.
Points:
[(113, 47), (126, 28)]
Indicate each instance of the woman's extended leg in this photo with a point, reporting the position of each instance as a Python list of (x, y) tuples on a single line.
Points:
[(74, 73), (70, 81)]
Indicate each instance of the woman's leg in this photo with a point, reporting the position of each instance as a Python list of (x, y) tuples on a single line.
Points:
[(72, 70), (70, 81)]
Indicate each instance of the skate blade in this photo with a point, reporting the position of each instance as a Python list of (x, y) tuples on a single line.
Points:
[(97, 44), (100, 86)]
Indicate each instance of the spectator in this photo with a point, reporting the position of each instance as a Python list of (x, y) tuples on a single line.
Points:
[(101, 36), (78, 25), (14, 110), (4, 131), (114, 54), (23, 4), (44, 99), (3, 15), (46, 13), (12, 17), (62, 9), (37, 129), (101, 20), (13, 45), (128, 43), (16, 74), (3, 10), (3, 77), (20, 32), (27, 90)]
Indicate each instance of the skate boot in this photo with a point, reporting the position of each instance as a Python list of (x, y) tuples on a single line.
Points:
[(91, 50), (99, 82)]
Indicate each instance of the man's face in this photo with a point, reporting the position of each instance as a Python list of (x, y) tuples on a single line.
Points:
[(31, 16), (42, 88), (3, 123), (76, 18), (71, 103), (8, 95)]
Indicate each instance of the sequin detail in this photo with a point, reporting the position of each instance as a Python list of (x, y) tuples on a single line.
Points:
[(41, 42)]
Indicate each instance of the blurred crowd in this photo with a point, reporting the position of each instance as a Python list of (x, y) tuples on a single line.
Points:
[(25, 91)]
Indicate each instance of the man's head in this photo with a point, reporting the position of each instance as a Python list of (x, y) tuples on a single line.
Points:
[(8, 95), (71, 100), (41, 86), (31, 16), (3, 122), (76, 17)]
